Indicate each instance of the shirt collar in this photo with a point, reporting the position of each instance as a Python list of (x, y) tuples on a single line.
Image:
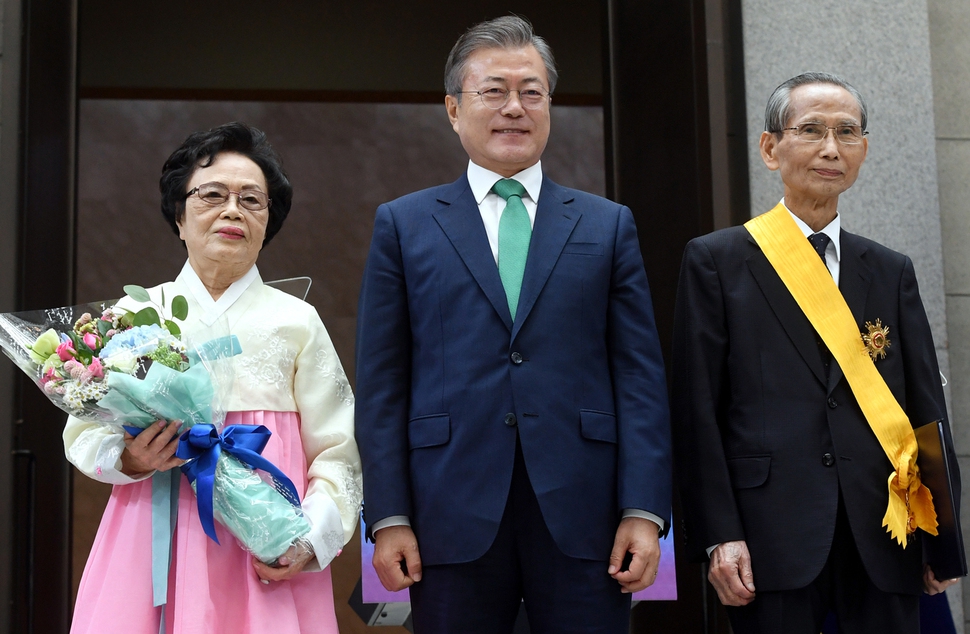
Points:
[(832, 230), (482, 180), (212, 309)]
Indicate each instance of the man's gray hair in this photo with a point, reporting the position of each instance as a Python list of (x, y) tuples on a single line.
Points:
[(779, 109), (507, 32)]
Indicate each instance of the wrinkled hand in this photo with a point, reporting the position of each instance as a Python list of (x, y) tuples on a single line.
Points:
[(396, 557), (641, 538), (730, 573), (151, 450), (931, 585), (289, 565)]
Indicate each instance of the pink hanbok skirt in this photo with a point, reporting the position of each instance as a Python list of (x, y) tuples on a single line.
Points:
[(212, 588)]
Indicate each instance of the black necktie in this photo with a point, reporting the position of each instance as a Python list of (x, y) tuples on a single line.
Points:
[(821, 242)]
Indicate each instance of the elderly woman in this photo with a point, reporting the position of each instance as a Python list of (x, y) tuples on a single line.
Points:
[(225, 195)]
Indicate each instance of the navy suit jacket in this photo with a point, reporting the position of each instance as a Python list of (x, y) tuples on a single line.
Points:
[(766, 440), (446, 380)]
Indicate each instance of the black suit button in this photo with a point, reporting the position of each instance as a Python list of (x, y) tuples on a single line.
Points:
[(510, 419), (833, 403), (516, 358), (828, 460)]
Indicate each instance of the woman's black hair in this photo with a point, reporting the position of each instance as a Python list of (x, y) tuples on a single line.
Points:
[(201, 149)]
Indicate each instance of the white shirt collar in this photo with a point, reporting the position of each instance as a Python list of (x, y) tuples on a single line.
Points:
[(482, 180), (832, 230), (212, 310)]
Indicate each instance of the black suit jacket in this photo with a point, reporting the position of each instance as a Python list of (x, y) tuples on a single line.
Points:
[(765, 438)]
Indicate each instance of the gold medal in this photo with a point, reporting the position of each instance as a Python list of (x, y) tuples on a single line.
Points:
[(876, 340)]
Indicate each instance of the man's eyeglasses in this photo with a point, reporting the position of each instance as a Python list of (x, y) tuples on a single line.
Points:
[(495, 98), (846, 134), (216, 194)]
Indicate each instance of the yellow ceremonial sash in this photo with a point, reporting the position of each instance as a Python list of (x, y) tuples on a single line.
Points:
[(809, 282)]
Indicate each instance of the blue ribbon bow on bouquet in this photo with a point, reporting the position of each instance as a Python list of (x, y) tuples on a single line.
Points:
[(202, 446)]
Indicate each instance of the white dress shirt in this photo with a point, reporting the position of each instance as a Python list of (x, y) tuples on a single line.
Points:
[(833, 252)]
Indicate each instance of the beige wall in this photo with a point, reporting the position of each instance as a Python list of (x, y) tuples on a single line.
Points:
[(949, 22)]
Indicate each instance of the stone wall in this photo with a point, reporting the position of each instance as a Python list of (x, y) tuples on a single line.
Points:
[(949, 23)]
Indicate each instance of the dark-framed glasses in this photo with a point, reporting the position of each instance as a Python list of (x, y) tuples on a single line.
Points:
[(495, 98), (846, 133), (216, 194)]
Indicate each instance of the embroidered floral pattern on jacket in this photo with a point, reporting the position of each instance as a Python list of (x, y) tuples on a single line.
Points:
[(271, 364), (346, 479), (329, 366)]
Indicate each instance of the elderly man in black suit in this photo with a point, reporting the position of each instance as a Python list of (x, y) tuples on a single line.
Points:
[(782, 448)]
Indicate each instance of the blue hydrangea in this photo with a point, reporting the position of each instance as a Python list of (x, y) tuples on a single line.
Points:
[(139, 340)]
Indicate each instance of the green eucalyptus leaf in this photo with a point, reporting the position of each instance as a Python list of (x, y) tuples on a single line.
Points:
[(163, 297), (146, 317), (173, 328), (180, 308), (103, 327), (137, 293)]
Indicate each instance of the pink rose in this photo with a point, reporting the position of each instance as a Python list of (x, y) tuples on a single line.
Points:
[(66, 351), (90, 340), (96, 369)]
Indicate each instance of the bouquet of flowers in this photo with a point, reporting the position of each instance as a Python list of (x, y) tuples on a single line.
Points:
[(130, 369)]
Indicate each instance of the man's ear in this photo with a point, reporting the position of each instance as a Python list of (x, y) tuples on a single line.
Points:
[(451, 105), (768, 145)]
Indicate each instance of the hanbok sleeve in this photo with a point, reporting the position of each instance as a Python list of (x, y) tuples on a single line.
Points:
[(95, 449), (326, 406)]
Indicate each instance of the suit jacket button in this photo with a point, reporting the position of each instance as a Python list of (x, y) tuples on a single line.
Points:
[(510, 419), (833, 403), (516, 358), (828, 460)]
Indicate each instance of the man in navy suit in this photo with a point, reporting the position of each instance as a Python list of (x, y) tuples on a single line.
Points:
[(511, 402), (783, 479)]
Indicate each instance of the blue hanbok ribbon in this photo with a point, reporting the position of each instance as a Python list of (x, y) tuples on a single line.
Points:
[(203, 444)]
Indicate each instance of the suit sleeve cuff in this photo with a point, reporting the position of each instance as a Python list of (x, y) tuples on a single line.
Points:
[(393, 520), (643, 515)]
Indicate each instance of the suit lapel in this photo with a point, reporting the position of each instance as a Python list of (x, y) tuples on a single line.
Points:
[(555, 221), (791, 317), (461, 222), (854, 278)]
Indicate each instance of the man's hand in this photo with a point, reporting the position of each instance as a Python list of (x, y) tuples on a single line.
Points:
[(396, 557), (639, 537), (730, 573), (931, 585)]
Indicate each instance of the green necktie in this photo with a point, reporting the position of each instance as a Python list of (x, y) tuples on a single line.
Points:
[(514, 234)]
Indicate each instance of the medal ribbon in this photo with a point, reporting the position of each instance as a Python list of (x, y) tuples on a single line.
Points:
[(810, 284)]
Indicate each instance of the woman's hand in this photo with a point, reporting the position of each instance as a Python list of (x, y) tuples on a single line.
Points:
[(151, 450), (289, 565)]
